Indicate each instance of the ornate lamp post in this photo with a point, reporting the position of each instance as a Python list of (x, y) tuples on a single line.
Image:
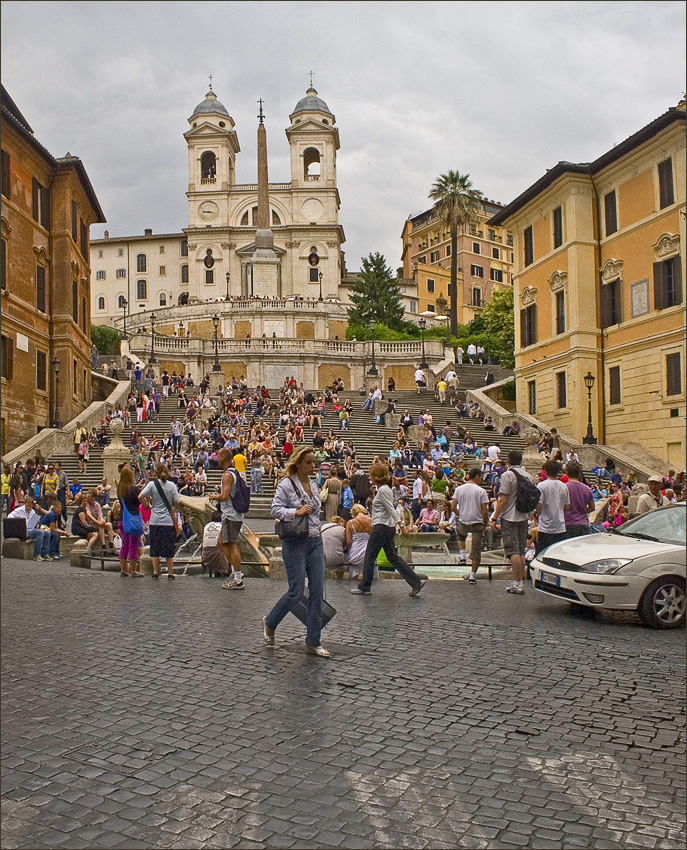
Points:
[(216, 367), (423, 324), (227, 295), (125, 304), (152, 339), (321, 298), (56, 369), (372, 371), (442, 304), (590, 439)]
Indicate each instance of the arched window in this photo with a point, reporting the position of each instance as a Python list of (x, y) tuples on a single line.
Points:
[(275, 218), (141, 263), (184, 248), (101, 303), (184, 273), (163, 299), (244, 219), (183, 298), (141, 290), (311, 164), (120, 302), (208, 166)]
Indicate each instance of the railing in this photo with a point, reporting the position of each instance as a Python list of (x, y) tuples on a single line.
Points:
[(312, 178), (268, 345), (253, 187), (205, 180)]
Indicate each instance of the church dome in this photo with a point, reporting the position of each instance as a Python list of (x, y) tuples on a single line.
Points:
[(210, 106), (311, 103)]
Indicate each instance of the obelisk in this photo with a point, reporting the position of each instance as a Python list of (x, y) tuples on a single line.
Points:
[(265, 258)]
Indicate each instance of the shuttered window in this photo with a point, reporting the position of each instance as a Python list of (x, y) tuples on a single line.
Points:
[(667, 283), (611, 213), (528, 326), (673, 374), (184, 274), (7, 365), (532, 397), (561, 390), (614, 385), (75, 302), (611, 309), (528, 245), (84, 240), (665, 183), (560, 312), (35, 198), (75, 221), (84, 314), (141, 290), (40, 203), (557, 227), (6, 184), (41, 371), (40, 288)]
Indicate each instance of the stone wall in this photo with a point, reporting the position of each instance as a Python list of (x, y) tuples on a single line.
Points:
[(403, 375), (337, 328), (305, 330), (328, 372), (241, 329)]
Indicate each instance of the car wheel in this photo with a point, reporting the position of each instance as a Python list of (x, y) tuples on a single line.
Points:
[(663, 603)]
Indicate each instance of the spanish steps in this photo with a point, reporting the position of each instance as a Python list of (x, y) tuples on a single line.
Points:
[(368, 438)]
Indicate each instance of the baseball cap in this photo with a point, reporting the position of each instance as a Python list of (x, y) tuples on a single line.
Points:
[(655, 478)]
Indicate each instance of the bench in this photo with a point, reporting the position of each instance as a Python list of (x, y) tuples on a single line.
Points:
[(430, 540)]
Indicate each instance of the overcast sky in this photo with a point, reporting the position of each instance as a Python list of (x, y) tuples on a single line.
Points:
[(501, 91)]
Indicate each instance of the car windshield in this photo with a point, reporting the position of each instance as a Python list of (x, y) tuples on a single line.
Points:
[(665, 525)]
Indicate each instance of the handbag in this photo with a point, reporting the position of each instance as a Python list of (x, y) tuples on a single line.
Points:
[(300, 610), (132, 524), (324, 493), (298, 527)]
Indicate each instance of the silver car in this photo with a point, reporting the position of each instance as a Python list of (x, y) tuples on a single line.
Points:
[(640, 566)]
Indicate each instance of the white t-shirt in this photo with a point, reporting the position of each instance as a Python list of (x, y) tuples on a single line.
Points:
[(450, 376), (554, 497), (469, 500), (210, 534), (472, 349), (494, 452), (419, 375), (509, 487)]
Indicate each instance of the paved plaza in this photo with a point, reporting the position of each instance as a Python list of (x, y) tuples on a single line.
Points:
[(149, 714)]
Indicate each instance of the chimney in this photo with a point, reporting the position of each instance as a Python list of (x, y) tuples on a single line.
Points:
[(107, 234), (148, 231)]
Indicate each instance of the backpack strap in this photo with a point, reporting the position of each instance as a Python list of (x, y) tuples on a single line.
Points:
[(164, 498)]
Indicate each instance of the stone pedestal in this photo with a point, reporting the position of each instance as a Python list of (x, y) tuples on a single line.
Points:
[(217, 380), (115, 453), (532, 460)]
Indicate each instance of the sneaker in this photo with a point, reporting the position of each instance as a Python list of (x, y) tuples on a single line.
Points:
[(155, 577), (463, 561), (171, 575), (469, 578), (39, 558), (47, 558), (520, 591), (416, 590), (357, 591), (232, 584)]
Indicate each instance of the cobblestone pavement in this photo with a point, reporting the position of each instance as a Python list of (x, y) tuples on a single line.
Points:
[(148, 714)]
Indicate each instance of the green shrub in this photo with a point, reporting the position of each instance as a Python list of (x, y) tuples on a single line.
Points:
[(105, 339)]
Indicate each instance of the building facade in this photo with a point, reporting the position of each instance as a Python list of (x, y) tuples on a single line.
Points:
[(598, 288), (48, 206), (485, 259)]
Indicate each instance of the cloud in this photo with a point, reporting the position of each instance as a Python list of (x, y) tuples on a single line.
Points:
[(501, 91)]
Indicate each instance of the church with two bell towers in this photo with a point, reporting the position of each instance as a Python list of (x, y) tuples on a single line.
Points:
[(274, 240)]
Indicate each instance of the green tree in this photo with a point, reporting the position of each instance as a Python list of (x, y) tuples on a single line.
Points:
[(456, 203), (499, 321), (105, 339), (376, 295)]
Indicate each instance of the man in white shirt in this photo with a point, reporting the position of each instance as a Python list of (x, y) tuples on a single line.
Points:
[(419, 379), (513, 522), (459, 355), (40, 536), (472, 352), (654, 498), (554, 502), (471, 503), (494, 452)]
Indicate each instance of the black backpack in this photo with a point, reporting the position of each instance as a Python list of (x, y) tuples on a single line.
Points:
[(528, 494), (241, 497)]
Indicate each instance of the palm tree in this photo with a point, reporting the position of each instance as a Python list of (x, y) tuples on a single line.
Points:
[(456, 202)]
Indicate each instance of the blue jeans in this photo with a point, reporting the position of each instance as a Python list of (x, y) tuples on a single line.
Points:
[(369, 404), (302, 558), (4, 503), (41, 540)]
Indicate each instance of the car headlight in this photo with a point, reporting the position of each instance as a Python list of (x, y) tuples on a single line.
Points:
[(605, 566)]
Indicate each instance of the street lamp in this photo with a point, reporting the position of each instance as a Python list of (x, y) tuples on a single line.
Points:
[(372, 371), (216, 367), (423, 325), (321, 298), (125, 304), (590, 439), (227, 295), (56, 370), (152, 339)]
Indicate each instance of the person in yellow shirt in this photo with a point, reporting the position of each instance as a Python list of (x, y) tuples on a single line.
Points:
[(441, 390), (50, 483), (240, 464), (5, 489)]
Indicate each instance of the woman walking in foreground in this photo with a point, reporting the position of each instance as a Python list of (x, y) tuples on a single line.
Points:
[(303, 553), (384, 519)]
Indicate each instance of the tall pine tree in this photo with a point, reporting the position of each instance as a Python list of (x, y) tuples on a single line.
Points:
[(376, 295)]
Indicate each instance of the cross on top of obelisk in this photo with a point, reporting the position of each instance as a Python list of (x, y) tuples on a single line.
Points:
[(261, 114)]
